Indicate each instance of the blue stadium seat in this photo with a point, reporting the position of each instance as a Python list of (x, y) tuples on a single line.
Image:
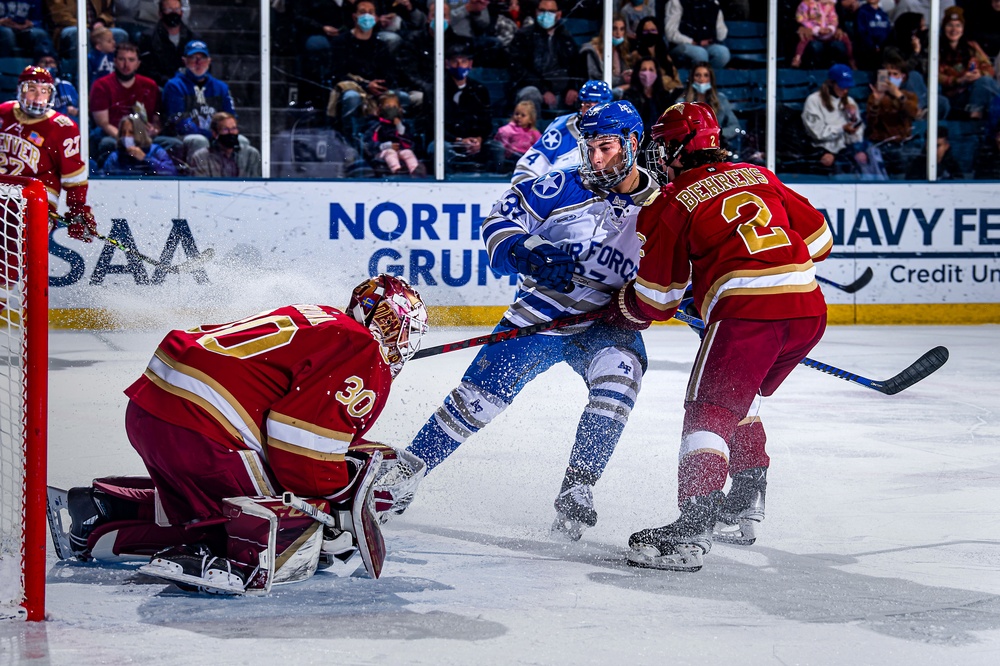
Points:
[(794, 85), (497, 82), (964, 137), (583, 30), (10, 69), (747, 43)]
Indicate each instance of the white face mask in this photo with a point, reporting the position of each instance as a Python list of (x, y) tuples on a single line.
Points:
[(128, 141), (702, 87)]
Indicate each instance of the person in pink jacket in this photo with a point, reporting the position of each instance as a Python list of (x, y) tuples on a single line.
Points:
[(821, 41), (520, 133)]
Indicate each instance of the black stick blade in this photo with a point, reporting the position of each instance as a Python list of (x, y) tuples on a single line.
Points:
[(916, 371), (862, 282)]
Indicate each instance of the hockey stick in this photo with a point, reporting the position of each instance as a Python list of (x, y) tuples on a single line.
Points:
[(291, 500), (188, 266), (858, 284), (490, 338), (910, 375)]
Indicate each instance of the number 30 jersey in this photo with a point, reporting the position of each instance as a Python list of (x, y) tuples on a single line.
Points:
[(296, 385), (742, 238), (46, 148)]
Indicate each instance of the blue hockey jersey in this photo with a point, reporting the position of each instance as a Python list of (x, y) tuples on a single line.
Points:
[(557, 148)]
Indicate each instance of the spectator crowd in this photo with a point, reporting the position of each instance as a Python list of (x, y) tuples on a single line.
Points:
[(363, 70)]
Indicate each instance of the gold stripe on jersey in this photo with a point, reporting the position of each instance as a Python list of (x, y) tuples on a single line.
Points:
[(196, 399), (820, 242), (197, 382), (75, 179), (252, 462), (788, 278), (694, 382), (304, 452), (658, 296), (307, 435)]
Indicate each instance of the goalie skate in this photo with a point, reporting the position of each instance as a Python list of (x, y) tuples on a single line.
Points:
[(195, 569), (57, 511)]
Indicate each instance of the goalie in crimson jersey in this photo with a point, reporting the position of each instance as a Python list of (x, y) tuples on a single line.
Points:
[(38, 142), (746, 243), (228, 417)]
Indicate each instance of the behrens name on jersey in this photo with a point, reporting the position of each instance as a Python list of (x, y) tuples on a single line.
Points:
[(707, 187)]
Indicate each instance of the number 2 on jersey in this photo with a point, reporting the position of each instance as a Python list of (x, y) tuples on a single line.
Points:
[(754, 231)]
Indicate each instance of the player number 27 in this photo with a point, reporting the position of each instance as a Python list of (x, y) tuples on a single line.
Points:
[(71, 146), (358, 400), (756, 235)]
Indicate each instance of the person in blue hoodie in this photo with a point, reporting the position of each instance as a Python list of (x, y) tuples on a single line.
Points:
[(192, 97), (872, 28)]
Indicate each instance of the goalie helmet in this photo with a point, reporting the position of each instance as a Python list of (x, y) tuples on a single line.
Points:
[(617, 120), (684, 127), (40, 78), (395, 314)]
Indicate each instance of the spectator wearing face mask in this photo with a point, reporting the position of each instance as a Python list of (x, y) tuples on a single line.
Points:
[(649, 44), (192, 97), (890, 114), (593, 54), (634, 11), (136, 154), (546, 67), (162, 48), (701, 88), (647, 94), (696, 29), (229, 155)]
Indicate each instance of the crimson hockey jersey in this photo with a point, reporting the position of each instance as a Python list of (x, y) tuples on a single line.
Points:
[(46, 148), (745, 241), (297, 385)]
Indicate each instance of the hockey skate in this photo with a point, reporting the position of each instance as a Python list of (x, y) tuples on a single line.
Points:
[(57, 511), (72, 516), (574, 511), (681, 545), (196, 569), (743, 509)]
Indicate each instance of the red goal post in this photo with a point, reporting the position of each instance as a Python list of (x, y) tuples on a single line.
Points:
[(24, 295)]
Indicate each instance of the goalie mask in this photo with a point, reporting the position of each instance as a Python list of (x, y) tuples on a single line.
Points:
[(395, 314), (617, 121), (36, 91), (683, 128)]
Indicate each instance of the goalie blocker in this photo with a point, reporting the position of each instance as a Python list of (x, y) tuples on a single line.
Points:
[(259, 541)]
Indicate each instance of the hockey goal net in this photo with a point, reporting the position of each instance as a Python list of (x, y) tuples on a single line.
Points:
[(23, 396)]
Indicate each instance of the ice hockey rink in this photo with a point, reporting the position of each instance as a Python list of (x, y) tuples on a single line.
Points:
[(881, 543)]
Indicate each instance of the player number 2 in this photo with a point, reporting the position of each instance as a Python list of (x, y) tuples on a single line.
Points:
[(754, 231), (356, 397)]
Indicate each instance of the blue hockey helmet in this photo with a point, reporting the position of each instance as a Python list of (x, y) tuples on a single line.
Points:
[(618, 120), (595, 92)]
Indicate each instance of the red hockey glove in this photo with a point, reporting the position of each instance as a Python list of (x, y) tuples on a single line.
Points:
[(81, 224), (623, 312)]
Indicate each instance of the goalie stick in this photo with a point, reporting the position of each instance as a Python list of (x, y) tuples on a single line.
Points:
[(188, 266), (858, 284), (510, 334), (910, 375)]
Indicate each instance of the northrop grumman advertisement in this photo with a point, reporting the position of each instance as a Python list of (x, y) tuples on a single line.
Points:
[(927, 244)]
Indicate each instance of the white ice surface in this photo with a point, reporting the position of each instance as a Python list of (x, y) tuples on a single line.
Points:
[(881, 543)]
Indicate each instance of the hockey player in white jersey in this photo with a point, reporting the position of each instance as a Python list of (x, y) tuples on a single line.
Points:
[(558, 147), (565, 224)]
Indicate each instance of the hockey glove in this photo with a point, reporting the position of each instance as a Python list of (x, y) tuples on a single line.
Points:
[(81, 224), (550, 266), (623, 311)]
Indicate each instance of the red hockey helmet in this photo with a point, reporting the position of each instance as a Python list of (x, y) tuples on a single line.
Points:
[(40, 79), (684, 127), (395, 314)]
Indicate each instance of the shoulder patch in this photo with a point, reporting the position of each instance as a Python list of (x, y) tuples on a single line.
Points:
[(552, 138), (549, 185), (65, 121)]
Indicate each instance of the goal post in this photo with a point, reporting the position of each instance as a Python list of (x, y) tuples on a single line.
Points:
[(23, 395)]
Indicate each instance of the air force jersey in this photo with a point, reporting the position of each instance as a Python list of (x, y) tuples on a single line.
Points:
[(593, 226), (557, 148)]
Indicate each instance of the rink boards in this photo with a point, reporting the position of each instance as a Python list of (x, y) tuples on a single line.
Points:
[(934, 248)]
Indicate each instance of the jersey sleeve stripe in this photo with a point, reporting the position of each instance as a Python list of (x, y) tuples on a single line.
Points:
[(194, 385), (75, 179), (312, 454), (307, 435), (780, 279), (660, 297), (820, 241)]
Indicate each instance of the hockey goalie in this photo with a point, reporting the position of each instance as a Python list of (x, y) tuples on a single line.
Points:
[(253, 436)]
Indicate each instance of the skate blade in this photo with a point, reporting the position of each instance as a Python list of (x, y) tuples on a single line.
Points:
[(743, 533), (57, 512), (686, 557), (565, 528), (222, 585)]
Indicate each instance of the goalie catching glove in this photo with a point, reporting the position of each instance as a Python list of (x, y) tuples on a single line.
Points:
[(623, 311), (549, 265)]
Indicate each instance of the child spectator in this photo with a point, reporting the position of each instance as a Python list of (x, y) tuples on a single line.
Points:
[(872, 27), (633, 12), (101, 59), (136, 154), (965, 73), (520, 133), (388, 134), (821, 41)]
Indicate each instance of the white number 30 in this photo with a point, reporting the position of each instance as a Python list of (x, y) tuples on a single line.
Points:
[(356, 397)]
